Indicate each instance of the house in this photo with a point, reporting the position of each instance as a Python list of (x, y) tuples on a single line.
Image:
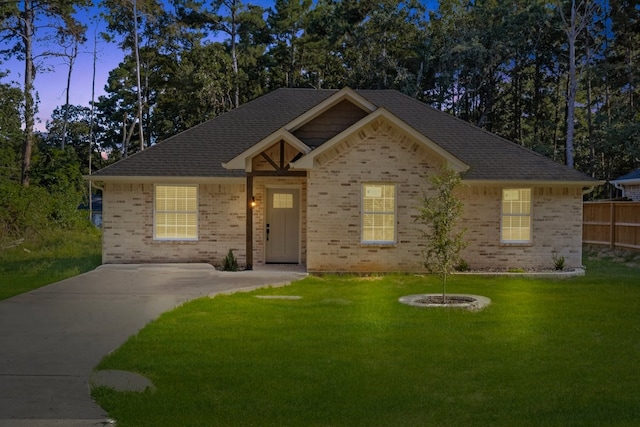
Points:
[(629, 184), (332, 179)]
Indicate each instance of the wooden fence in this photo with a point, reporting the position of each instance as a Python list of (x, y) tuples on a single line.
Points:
[(615, 224)]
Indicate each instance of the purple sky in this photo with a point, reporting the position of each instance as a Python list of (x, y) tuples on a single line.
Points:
[(51, 81), (51, 78), (50, 85)]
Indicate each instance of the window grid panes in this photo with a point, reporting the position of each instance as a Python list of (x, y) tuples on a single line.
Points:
[(282, 200), (516, 215), (378, 213), (176, 212)]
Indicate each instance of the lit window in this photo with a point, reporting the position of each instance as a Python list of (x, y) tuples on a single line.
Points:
[(378, 213), (176, 212), (516, 216), (282, 200)]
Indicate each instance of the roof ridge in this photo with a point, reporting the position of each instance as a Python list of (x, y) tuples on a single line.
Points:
[(202, 149), (486, 132), (240, 108)]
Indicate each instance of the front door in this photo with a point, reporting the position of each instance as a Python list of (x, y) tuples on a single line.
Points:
[(283, 225)]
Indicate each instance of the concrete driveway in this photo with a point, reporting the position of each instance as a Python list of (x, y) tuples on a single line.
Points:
[(52, 338)]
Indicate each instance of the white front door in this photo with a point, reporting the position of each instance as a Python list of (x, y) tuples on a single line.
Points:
[(283, 225)]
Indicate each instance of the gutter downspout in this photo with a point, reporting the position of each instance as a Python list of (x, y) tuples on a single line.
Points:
[(619, 187), (96, 185)]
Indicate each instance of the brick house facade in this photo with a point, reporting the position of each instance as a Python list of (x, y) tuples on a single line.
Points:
[(341, 174)]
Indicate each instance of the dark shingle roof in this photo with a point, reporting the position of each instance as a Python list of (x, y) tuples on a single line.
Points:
[(631, 175), (489, 156), (200, 151)]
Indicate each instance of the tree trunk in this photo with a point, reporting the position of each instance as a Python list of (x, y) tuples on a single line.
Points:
[(29, 103), (592, 142), (72, 59), (137, 52), (292, 62), (572, 86), (234, 57)]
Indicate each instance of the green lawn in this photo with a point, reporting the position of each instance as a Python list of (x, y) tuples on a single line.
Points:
[(545, 352), (47, 259)]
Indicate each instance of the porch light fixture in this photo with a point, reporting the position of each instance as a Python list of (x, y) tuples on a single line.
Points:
[(253, 202)]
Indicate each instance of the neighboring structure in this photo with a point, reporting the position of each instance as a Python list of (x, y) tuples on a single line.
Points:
[(630, 185), (333, 180)]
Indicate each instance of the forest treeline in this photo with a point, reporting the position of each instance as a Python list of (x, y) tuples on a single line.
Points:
[(559, 77)]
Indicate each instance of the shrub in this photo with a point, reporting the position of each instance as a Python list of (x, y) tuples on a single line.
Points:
[(25, 211), (230, 263), (462, 265), (558, 261)]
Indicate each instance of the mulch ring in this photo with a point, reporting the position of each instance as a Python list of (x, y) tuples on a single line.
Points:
[(464, 301)]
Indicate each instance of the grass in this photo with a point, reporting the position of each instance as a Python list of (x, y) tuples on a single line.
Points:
[(545, 352), (56, 255)]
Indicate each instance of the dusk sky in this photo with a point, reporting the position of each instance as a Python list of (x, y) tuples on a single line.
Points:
[(51, 82), (50, 85)]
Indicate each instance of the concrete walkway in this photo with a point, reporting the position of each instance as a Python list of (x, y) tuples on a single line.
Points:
[(52, 338)]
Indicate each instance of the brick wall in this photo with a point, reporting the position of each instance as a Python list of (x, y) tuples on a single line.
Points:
[(380, 153), (632, 192), (128, 226), (556, 226), (377, 154), (330, 215)]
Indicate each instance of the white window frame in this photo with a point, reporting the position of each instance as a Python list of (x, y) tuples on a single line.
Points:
[(506, 192), (195, 212), (364, 212)]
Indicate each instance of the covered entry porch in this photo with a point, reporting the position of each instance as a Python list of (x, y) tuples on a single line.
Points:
[(276, 208)]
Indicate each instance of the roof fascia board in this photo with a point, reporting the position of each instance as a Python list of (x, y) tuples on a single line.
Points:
[(344, 93), (166, 179), (633, 181), (307, 161), (243, 160), (532, 183)]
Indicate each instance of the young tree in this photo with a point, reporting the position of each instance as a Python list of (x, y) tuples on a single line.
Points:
[(38, 28), (440, 212)]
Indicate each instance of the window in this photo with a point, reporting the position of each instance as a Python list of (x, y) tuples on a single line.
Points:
[(282, 200), (378, 213), (176, 212), (516, 216)]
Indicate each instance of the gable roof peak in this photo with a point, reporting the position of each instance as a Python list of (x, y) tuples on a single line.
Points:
[(346, 93)]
